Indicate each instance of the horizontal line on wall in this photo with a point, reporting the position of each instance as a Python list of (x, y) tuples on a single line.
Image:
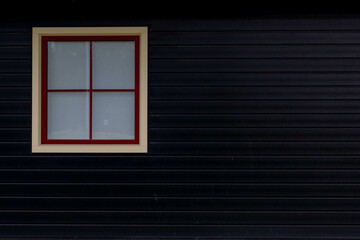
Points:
[(153, 30), (355, 30), (233, 72), (197, 86), (173, 170), (160, 86), (232, 100), (15, 59), (186, 211), (225, 100), (218, 58), (249, 113), (234, 86), (188, 198), (225, 141), (151, 99), (173, 225), (185, 184), (185, 169), (247, 58), (16, 73), (239, 85), (220, 142), (252, 72), (207, 59), (123, 169), (224, 44), (215, 44), (214, 128), (182, 183), (212, 59), (224, 128)]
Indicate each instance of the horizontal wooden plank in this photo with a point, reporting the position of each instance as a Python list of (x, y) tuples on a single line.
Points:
[(247, 92), (254, 107), (223, 37), (223, 65), (225, 93), (18, 94), (248, 65), (18, 52), (291, 44), (242, 134), (180, 176), (233, 79), (176, 232), (226, 107), (179, 204), (222, 79), (15, 148), (15, 80), (251, 120), (189, 23), (177, 190), (221, 50), (91, 238), (15, 107), (15, 121), (15, 66), (46, 161), (255, 148), (15, 39), (181, 217), (14, 135), (254, 37), (227, 148), (228, 50), (342, 22), (22, 40)]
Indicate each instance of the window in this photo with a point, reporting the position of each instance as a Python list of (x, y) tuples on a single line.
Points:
[(89, 90)]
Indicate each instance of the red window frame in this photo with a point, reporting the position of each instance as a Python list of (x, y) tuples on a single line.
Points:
[(45, 90)]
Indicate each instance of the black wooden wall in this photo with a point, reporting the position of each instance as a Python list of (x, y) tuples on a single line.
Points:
[(254, 129)]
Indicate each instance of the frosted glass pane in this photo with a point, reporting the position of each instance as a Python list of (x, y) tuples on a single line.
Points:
[(68, 115), (68, 65), (113, 65), (113, 115)]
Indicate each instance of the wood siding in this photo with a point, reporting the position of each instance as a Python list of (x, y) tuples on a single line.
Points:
[(254, 132)]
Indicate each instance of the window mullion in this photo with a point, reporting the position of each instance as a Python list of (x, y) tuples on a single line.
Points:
[(90, 92)]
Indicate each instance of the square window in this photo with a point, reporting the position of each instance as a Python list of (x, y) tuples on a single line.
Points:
[(113, 115), (89, 90), (68, 115), (68, 65), (113, 65)]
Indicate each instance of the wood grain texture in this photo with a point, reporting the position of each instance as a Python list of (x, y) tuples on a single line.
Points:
[(254, 133)]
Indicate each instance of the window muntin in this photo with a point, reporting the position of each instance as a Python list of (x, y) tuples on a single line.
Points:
[(119, 139)]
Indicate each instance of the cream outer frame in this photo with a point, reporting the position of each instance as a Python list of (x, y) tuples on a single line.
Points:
[(37, 33)]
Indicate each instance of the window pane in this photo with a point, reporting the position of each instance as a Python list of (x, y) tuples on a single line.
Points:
[(113, 115), (68, 115), (113, 65), (68, 65)]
